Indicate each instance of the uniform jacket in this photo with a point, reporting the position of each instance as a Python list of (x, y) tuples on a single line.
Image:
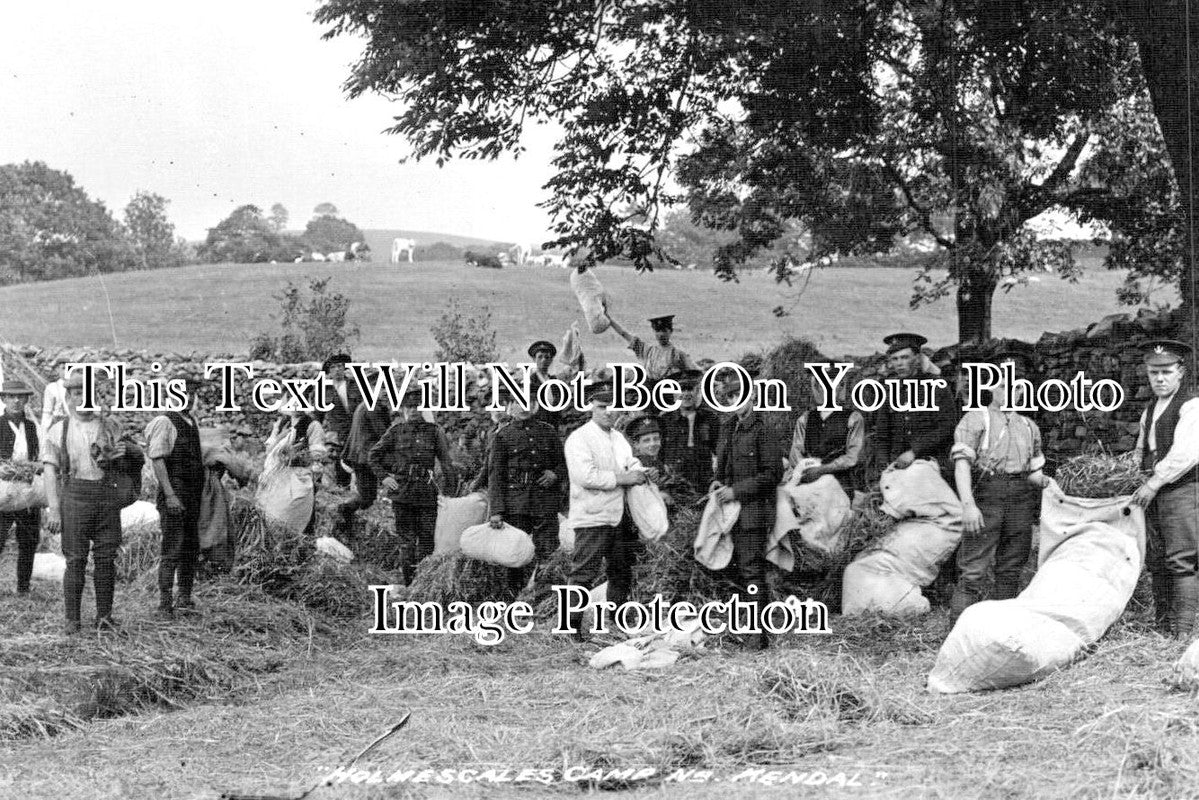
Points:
[(593, 457), (408, 451), (520, 452), (750, 461), (928, 434), (366, 429), (693, 463)]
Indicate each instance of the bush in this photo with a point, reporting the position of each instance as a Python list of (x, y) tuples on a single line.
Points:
[(465, 334), (313, 325)]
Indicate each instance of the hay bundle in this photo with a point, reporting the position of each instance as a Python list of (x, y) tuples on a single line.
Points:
[(669, 567), (1100, 475), (864, 528), (267, 552), (376, 542), (452, 576), (42, 718), (141, 546), (20, 471), (554, 571), (337, 589)]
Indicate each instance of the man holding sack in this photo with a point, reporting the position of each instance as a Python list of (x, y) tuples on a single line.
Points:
[(1168, 447), (525, 472), (19, 443)]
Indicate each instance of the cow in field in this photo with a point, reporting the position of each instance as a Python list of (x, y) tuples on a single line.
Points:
[(318, 256), (483, 260), (402, 247)]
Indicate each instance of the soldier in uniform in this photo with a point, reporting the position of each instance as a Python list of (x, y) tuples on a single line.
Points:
[(904, 436), (543, 354), (20, 441), (689, 434), (749, 466), (366, 429), (1168, 446), (525, 473), (403, 460), (660, 359), (344, 396)]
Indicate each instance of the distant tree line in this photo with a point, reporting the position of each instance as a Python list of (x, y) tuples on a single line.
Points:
[(248, 236)]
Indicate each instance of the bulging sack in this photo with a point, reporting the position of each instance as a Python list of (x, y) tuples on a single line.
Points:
[(591, 298), (887, 578), (714, 539), (1091, 553), (19, 496), (815, 511), (455, 515), (648, 511), (285, 496), (996, 644), (506, 546), (572, 351)]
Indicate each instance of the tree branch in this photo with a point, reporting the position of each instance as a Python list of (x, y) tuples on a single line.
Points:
[(1061, 172), (926, 219)]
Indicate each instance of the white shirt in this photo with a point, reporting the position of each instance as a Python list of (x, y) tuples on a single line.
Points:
[(593, 457), (1184, 453), (20, 447)]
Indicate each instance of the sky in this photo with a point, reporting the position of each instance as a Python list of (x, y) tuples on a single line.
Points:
[(217, 104)]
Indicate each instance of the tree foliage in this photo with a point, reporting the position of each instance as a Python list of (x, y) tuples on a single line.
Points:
[(50, 228), (246, 237), (312, 324), (278, 217), (151, 232), (860, 120), (329, 233)]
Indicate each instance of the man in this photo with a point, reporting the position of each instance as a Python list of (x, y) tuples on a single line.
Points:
[(337, 421), (904, 436), (997, 469), (54, 400), (173, 447), (366, 429), (403, 459), (79, 449), (525, 472), (20, 442), (836, 438), (749, 467), (689, 434), (600, 463), (660, 359), (543, 354), (1168, 446)]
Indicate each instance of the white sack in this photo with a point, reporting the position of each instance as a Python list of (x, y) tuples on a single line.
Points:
[(506, 546)]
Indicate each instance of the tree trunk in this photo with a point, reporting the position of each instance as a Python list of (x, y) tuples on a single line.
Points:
[(1159, 28), (975, 293)]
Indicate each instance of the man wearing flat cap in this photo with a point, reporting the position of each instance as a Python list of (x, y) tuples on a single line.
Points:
[(526, 468), (997, 461), (80, 449), (904, 436), (661, 358), (600, 463), (344, 396), (20, 443), (173, 447), (1168, 447), (404, 459)]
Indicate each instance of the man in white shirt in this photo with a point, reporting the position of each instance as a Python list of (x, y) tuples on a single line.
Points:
[(1168, 446), (600, 463), (19, 441)]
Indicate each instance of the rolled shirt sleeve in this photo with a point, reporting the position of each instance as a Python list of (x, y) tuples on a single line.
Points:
[(160, 437), (967, 436), (1184, 453)]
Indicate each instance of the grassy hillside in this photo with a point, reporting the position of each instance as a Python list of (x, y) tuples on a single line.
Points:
[(380, 240), (220, 307)]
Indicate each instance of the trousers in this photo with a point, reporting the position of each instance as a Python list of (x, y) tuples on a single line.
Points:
[(1009, 505), (180, 549), (414, 526), (91, 522), (28, 524)]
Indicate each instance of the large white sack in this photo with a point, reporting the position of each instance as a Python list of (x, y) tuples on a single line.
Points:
[(714, 538), (506, 546), (1090, 557), (887, 578), (136, 515), (49, 567), (285, 496), (571, 353), (20, 496), (996, 644), (816, 512), (454, 515), (648, 510), (591, 298)]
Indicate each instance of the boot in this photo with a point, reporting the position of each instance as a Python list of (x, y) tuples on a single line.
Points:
[(1184, 605)]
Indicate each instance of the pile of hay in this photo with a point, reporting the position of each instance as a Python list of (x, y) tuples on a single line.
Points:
[(20, 471), (337, 589), (818, 575), (451, 577), (669, 568), (138, 556), (555, 571), (1100, 475), (375, 540), (267, 553)]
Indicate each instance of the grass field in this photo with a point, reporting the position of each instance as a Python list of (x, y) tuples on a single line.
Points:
[(218, 308)]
